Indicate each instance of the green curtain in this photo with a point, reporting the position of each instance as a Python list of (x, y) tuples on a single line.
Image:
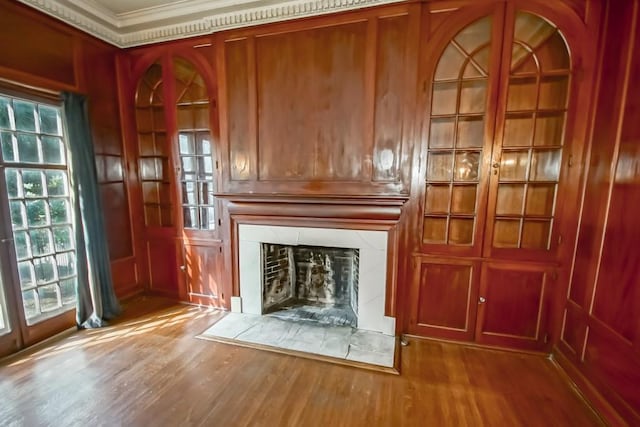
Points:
[(97, 301)]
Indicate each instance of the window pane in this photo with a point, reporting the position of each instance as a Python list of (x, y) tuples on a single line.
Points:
[(208, 218), (41, 241), (23, 244), (25, 115), (52, 150), (66, 264), (8, 150), (36, 213), (189, 193), (188, 164), (25, 271), (18, 217), (205, 167), (186, 144), (206, 193), (49, 298), (63, 238), (45, 270), (56, 183), (14, 183), (28, 148), (68, 291), (59, 209), (49, 120), (29, 301), (5, 121), (32, 183), (190, 217)]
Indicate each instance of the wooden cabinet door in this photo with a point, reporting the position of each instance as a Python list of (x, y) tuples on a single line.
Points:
[(203, 267), (531, 140), (195, 154), (444, 300), (512, 306)]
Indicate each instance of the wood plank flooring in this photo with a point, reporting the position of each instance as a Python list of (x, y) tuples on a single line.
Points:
[(148, 369)]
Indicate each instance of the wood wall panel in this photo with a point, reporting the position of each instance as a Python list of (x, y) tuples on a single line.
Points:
[(311, 86), (36, 46), (117, 219), (389, 97), (574, 329), (237, 79), (99, 77), (319, 106), (125, 277), (601, 336), (616, 364), (162, 257)]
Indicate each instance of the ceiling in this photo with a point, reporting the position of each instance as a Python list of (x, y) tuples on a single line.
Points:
[(127, 23)]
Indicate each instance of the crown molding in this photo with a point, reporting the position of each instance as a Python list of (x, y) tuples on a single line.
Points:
[(186, 18)]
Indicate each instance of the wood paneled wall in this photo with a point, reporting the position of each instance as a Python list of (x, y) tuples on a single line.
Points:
[(40, 52), (319, 107), (601, 330)]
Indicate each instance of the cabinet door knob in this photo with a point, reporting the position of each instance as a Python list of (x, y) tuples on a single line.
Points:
[(481, 300)]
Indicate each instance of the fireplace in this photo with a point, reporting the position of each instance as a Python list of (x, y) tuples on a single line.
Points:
[(281, 267), (310, 283)]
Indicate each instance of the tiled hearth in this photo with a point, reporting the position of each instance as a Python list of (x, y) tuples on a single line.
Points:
[(372, 341), (339, 342)]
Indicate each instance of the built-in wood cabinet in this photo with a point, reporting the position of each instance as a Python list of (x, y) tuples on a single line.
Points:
[(499, 129), (176, 149)]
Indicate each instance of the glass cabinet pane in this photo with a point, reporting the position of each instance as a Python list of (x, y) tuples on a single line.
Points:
[(153, 159), (197, 181), (533, 136), (457, 137)]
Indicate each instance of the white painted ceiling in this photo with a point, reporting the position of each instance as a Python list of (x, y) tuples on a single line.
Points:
[(127, 23)]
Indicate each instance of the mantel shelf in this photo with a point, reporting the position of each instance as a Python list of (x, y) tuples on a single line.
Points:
[(370, 200)]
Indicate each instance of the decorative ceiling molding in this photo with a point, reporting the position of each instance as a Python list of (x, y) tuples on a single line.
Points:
[(184, 19)]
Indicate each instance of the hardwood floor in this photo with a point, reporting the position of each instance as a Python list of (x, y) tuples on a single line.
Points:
[(148, 369)]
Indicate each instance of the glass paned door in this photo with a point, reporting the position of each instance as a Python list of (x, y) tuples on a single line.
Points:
[(37, 196), (528, 160), (197, 177)]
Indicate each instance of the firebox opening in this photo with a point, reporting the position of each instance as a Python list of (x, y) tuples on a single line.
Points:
[(310, 283)]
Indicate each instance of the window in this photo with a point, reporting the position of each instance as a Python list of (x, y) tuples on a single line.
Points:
[(34, 159)]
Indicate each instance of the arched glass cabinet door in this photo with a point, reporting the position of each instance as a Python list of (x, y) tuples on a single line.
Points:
[(153, 152), (196, 178), (455, 173), (528, 156), (195, 148)]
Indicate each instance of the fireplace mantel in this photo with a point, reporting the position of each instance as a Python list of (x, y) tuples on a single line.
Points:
[(366, 213), (373, 208)]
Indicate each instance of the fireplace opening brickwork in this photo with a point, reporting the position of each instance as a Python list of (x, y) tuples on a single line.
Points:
[(310, 283)]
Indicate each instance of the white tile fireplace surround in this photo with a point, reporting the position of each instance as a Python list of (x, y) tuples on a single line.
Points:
[(372, 267), (372, 342)]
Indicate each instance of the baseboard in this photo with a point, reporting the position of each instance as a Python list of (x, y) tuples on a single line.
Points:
[(587, 391)]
